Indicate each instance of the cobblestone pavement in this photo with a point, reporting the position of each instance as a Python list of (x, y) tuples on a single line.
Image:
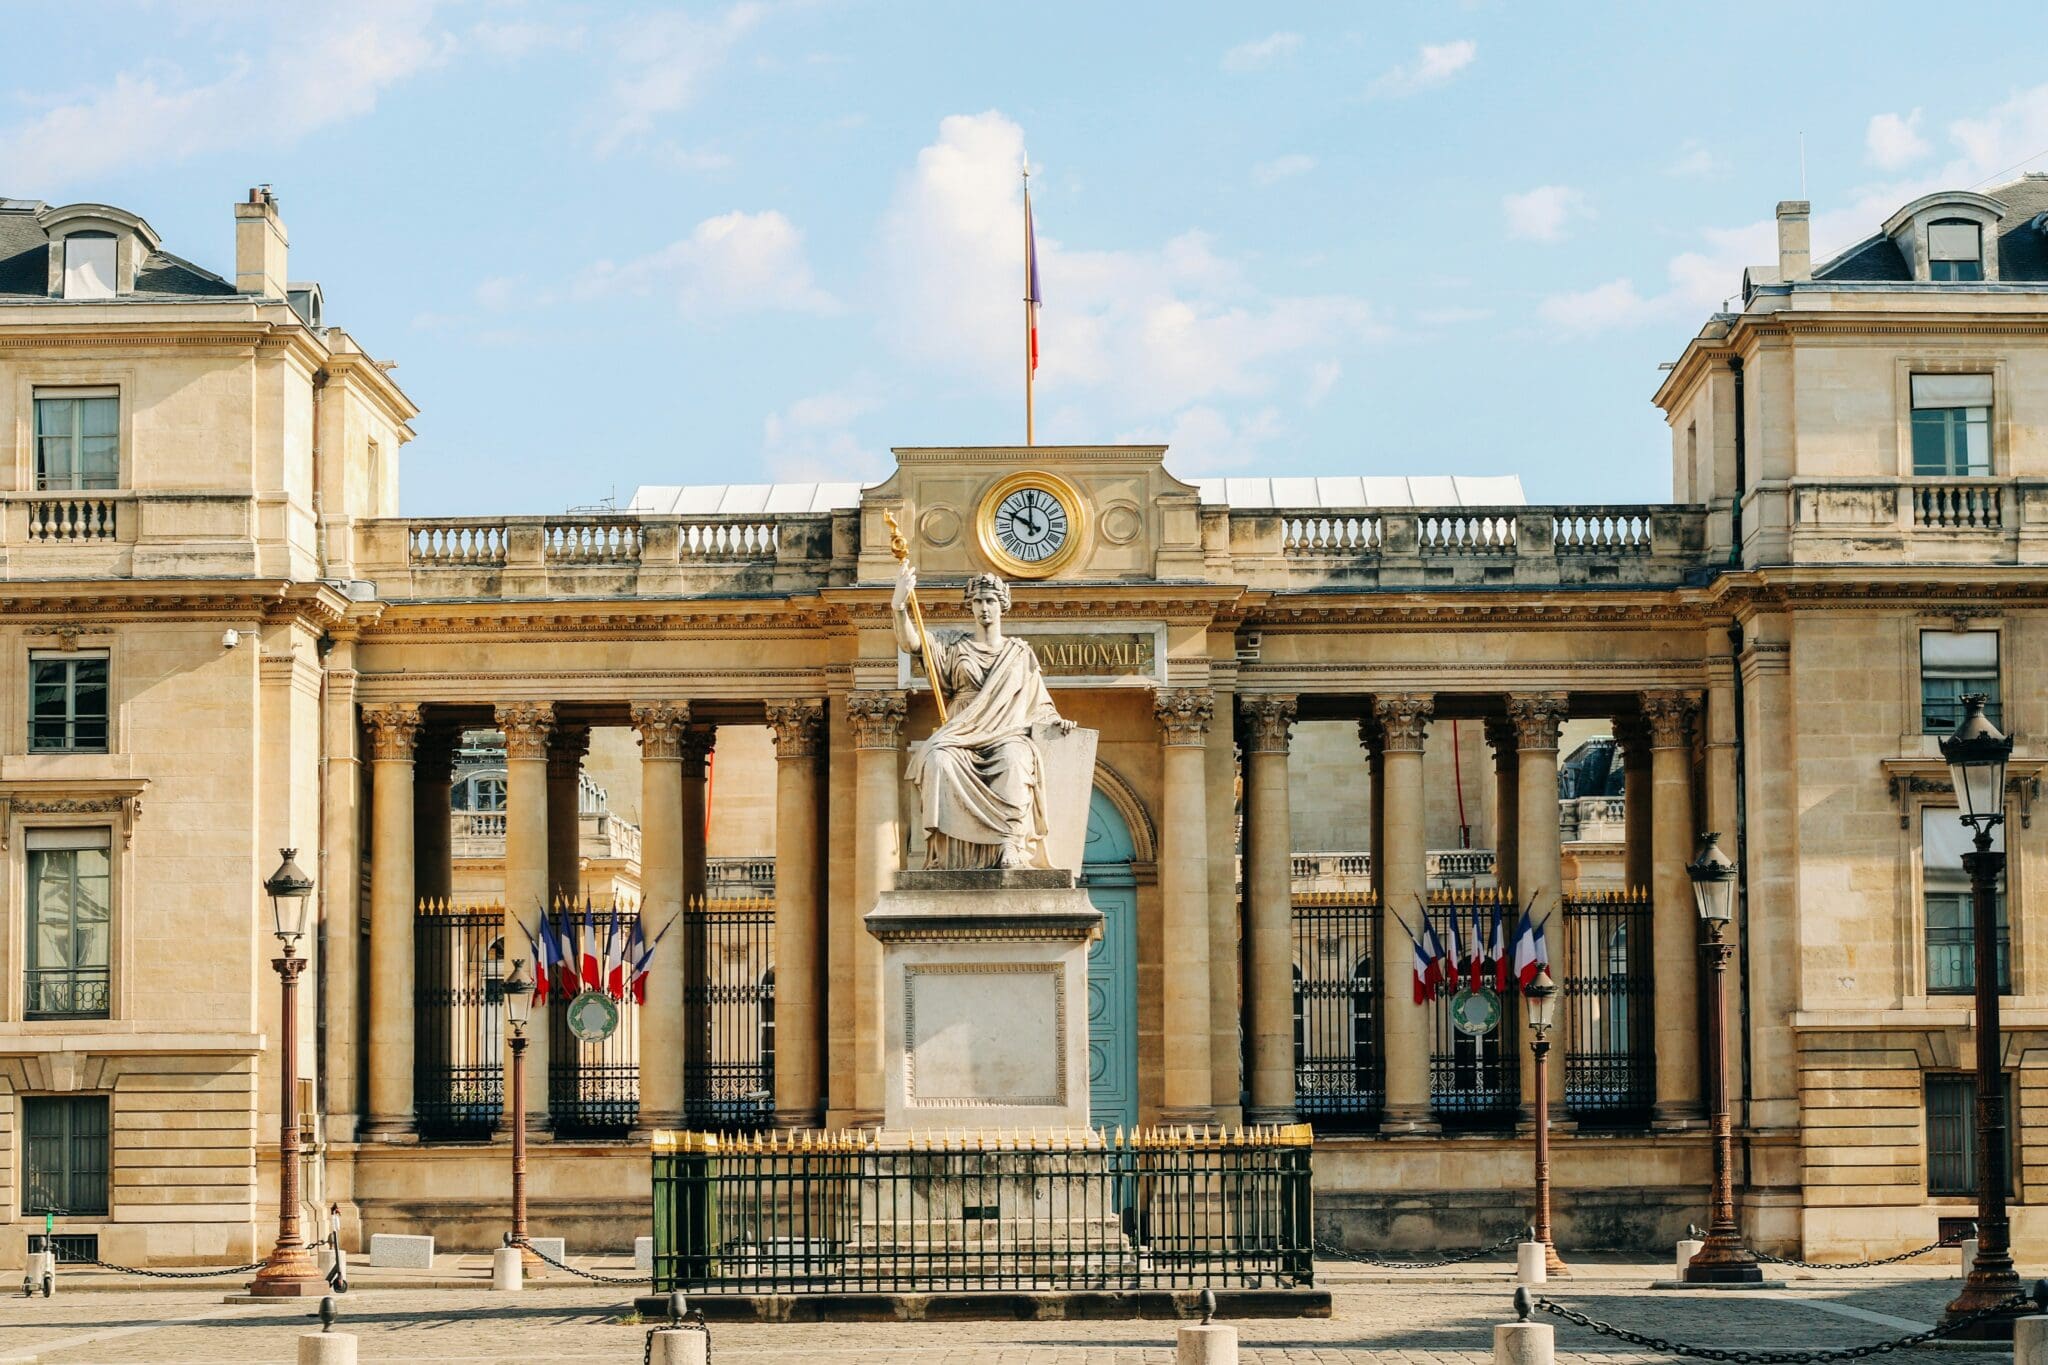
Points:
[(1407, 1323)]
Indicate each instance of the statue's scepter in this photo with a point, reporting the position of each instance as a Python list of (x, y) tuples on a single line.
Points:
[(901, 549)]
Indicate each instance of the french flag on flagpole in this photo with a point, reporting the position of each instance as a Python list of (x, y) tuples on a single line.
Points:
[(643, 957), (1497, 952), (565, 954), (1477, 962), (615, 956), (1433, 949), (1425, 985), (1450, 967), (1532, 951), (593, 976), (540, 965), (1031, 295)]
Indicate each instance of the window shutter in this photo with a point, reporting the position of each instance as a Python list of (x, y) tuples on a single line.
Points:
[(90, 836), (1951, 390), (1958, 654), (88, 267), (1953, 242)]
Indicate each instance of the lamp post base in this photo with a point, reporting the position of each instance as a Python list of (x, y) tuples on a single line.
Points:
[(290, 1273), (1723, 1262), (1982, 1291), (530, 1263)]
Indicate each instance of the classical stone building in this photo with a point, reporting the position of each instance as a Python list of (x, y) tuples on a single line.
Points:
[(1327, 707)]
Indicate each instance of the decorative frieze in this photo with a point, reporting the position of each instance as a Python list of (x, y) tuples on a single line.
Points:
[(1269, 717), (1669, 712), (877, 717), (1184, 714), (797, 726), (660, 725), (1536, 717), (527, 725), (394, 729), (1403, 720)]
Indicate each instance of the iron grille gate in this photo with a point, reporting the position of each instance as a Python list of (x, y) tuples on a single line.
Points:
[(1475, 1080), (458, 1046), (1609, 1064), (1338, 1077), (594, 1088), (729, 1013)]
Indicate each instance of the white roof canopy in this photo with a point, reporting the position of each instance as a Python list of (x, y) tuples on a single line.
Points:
[(1430, 490)]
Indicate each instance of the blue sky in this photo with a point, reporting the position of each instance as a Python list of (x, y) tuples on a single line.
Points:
[(611, 245)]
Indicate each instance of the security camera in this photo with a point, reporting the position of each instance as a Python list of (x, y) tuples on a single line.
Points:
[(230, 638)]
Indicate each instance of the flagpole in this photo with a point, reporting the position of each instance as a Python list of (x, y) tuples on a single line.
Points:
[(1030, 432)]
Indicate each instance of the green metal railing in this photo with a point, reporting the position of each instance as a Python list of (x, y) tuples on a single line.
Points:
[(1160, 1208)]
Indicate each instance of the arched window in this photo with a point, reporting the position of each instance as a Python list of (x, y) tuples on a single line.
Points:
[(480, 791)]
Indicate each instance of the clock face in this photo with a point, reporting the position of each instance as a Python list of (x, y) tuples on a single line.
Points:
[(1031, 525)]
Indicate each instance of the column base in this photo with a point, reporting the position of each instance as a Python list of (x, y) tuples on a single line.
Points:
[(1409, 1120), (396, 1131), (1561, 1122), (799, 1120), (650, 1124), (1200, 1113), (1276, 1114), (1676, 1118)]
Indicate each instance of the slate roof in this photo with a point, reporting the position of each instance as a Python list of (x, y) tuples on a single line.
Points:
[(25, 263), (2022, 242)]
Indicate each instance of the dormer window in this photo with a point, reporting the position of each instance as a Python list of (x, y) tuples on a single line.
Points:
[(1955, 250), (89, 265)]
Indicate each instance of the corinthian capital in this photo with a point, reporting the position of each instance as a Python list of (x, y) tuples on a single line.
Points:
[(698, 742), (1669, 712), (1536, 717), (660, 727), (1268, 717), (1404, 720), (877, 717), (1184, 714), (566, 748), (797, 725), (394, 729), (527, 725)]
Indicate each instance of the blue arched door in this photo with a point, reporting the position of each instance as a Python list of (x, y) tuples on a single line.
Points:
[(1112, 968)]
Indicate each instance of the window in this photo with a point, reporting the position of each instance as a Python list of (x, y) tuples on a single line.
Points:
[(67, 703), (1952, 424), (78, 440), (1952, 1135), (1951, 941), (64, 1159), (481, 792), (1953, 665), (1955, 250), (69, 890), (89, 265)]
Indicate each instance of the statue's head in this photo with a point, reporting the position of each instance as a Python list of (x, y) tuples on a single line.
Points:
[(987, 597)]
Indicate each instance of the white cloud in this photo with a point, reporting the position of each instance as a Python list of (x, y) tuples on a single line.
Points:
[(1452, 316), (1695, 161), (514, 40), (1599, 309), (2005, 140), (735, 263), (1262, 52), (1892, 143), (1204, 440), (498, 292), (664, 59), (1541, 214), (812, 438), (1142, 336), (1283, 167), (1434, 64), (323, 69)]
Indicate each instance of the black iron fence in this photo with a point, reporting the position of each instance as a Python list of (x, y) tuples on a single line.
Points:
[(1154, 1209), (1475, 1061), (459, 1033), (594, 1084), (1338, 1076), (729, 1013), (1606, 975)]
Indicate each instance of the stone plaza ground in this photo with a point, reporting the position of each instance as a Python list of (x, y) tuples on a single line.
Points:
[(1378, 1315)]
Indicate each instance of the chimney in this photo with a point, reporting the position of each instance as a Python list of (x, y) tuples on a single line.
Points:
[(260, 244), (1795, 241)]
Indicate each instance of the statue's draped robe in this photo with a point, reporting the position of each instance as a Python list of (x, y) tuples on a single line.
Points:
[(980, 773)]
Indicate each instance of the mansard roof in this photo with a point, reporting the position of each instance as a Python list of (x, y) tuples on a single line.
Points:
[(2021, 234), (25, 253)]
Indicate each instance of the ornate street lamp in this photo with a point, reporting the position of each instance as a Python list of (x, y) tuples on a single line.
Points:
[(289, 1272), (1542, 997), (1723, 1259), (1976, 755), (516, 991)]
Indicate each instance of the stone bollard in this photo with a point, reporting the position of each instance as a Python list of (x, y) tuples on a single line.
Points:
[(1207, 1342), (674, 1346), (2030, 1340), (1530, 1267), (1687, 1249), (508, 1275), (1968, 1246), (1524, 1342), (327, 1346)]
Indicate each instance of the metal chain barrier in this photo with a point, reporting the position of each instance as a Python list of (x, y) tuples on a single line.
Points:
[(589, 1274), (1853, 1265), (169, 1274), (1336, 1252), (1741, 1357)]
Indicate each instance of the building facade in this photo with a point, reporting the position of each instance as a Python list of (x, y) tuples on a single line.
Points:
[(1327, 708)]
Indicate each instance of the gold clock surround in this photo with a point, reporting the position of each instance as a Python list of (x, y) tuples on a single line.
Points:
[(1068, 496)]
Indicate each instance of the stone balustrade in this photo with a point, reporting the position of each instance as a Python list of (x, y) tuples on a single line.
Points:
[(602, 835), (128, 533), (1978, 521), (1349, 871), (1592, 819)]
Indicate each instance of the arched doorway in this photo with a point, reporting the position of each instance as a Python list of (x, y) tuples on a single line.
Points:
[(1112, 968)]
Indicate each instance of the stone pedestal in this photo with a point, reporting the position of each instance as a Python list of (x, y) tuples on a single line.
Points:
[(985, 999)]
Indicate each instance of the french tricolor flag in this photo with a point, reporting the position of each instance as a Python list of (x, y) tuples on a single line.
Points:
[(1031, 295)]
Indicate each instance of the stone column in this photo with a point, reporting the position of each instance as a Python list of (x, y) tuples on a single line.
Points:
[(566, 748), (338, 886), (1632, 733), (433, 767), (1375, 815), (1539, 860), (877, 718), (1269, 906), (799, 930), (660, 727), (393, 729), (527, 726), (694, 941), (1507, 786), (1184, 715), (1675, 919), (1404, 723)]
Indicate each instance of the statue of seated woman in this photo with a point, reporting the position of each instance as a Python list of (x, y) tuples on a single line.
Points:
[(981, 775)]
